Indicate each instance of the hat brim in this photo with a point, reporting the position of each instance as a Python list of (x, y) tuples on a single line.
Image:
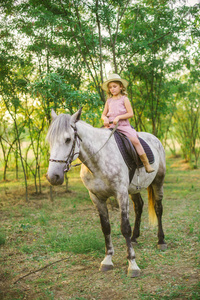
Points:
[(104, 85)]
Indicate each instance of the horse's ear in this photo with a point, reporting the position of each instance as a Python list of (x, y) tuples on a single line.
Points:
[(53, 114), (76, 117)]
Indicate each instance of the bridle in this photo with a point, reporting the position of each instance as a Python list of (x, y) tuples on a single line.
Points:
[(77, 140), (72, 153)]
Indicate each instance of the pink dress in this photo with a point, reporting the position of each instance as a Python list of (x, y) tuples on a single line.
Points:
[(117, 107)]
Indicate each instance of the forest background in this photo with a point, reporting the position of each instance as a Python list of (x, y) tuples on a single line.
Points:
[(55, 54)]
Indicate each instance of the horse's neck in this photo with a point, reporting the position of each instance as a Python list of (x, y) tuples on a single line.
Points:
[(92, 140)]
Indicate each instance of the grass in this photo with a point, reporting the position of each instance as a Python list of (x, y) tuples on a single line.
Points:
[(2, 237), (37, 234), (79, 242)]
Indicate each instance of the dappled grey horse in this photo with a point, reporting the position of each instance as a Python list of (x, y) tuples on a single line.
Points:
[(105, 174)]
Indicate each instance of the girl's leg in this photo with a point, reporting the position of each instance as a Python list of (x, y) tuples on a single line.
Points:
[(136, 143)]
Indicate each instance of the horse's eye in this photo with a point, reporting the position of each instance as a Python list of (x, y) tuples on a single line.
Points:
[(67, 140)]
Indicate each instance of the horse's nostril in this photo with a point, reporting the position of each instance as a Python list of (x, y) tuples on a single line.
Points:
[(57, 177)]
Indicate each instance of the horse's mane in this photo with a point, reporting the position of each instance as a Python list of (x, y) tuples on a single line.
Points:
[(58, 126), (61, 124)]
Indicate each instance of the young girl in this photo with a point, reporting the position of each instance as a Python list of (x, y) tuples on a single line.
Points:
[(118, 110)]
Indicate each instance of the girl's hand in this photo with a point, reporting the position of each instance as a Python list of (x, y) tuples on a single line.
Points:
[(116, 120), (106, 122)]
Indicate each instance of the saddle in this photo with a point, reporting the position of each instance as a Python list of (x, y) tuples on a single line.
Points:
[(129, 153)]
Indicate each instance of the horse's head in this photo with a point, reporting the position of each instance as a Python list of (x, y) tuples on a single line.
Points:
[(64, 145)]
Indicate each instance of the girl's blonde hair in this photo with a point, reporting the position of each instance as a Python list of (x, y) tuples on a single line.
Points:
[(123, 91)]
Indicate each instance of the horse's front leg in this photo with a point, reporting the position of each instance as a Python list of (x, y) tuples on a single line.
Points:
[(133, 269), (101, 206)]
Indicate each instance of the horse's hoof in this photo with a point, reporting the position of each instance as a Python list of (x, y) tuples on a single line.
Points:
[(105, 268), (162, 246), (133, 273)]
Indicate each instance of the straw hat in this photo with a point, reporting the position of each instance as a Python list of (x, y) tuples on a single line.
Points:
[(111, 78)]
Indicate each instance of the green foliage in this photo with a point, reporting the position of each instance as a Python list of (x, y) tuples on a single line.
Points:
[(56, 93), (187, 120), (151, 32)]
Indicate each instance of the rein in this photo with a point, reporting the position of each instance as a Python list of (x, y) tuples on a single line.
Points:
[(77, 140), (114, 129)]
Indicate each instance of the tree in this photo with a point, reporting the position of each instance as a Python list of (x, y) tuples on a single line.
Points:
[(187, 119)]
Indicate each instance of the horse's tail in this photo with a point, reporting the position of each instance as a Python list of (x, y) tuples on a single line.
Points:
[(151, 206)]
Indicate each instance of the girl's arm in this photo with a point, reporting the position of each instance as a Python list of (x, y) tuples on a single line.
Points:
[(104, 115), (127, 115)]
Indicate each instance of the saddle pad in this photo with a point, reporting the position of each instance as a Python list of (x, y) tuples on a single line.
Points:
[(129, 153)]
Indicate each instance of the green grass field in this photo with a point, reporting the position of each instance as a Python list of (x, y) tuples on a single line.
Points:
[(53, 249)]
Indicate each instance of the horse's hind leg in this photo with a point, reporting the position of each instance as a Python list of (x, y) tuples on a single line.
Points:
[(138, 206), (158, 195), (101, 206)]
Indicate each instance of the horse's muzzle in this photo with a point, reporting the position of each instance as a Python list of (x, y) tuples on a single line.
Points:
[(55, 179)]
